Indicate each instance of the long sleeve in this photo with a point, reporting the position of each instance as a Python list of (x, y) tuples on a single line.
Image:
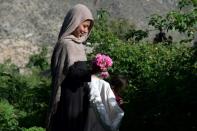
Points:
[(79, 72), (115, 112)]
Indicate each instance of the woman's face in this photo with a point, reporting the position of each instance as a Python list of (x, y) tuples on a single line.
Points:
[(82, 29)]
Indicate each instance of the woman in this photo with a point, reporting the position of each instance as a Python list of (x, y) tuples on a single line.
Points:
[(69, 98)]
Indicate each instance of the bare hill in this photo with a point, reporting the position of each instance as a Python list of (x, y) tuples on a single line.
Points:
[(39, 21), (27, 23)]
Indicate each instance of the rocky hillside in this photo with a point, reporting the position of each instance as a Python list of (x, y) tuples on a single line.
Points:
[(37, 22)]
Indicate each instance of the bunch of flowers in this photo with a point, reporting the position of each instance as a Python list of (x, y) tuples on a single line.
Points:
[(103, 62)]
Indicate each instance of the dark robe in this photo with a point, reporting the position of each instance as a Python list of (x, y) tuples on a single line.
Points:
[(73, 107)]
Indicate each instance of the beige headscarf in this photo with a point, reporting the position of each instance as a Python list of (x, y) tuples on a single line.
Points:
[(78, 14)]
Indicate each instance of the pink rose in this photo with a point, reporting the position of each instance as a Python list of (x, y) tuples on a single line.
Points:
[(103, 62)]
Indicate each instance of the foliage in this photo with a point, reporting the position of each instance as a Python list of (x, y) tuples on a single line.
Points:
[(185, 3), (8, 120), (35, 100), (121, 28), (100, 32), (184, 21), (34, 129), (136, 35), (7, 72), (39, 60), (157, 21), (28, 93), (106, 29)]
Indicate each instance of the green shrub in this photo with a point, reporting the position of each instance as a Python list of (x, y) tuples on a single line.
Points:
[(184, 21), (28, 93), (35, 100), (8, 120), (39, 60), (34, 129)]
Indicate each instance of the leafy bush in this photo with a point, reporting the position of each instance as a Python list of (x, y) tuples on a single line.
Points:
[(34, 129), (39, 60), (184, 21), (35, 100), (136, 35), (8, 120), (28, 93)]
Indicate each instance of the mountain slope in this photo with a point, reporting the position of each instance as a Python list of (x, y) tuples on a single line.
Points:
[(39, 21), (24, 24)]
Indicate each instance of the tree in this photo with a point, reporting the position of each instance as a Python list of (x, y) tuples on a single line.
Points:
[(184, 20)]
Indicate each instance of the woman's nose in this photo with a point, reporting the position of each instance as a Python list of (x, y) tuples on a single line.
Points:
[(86, 30)]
